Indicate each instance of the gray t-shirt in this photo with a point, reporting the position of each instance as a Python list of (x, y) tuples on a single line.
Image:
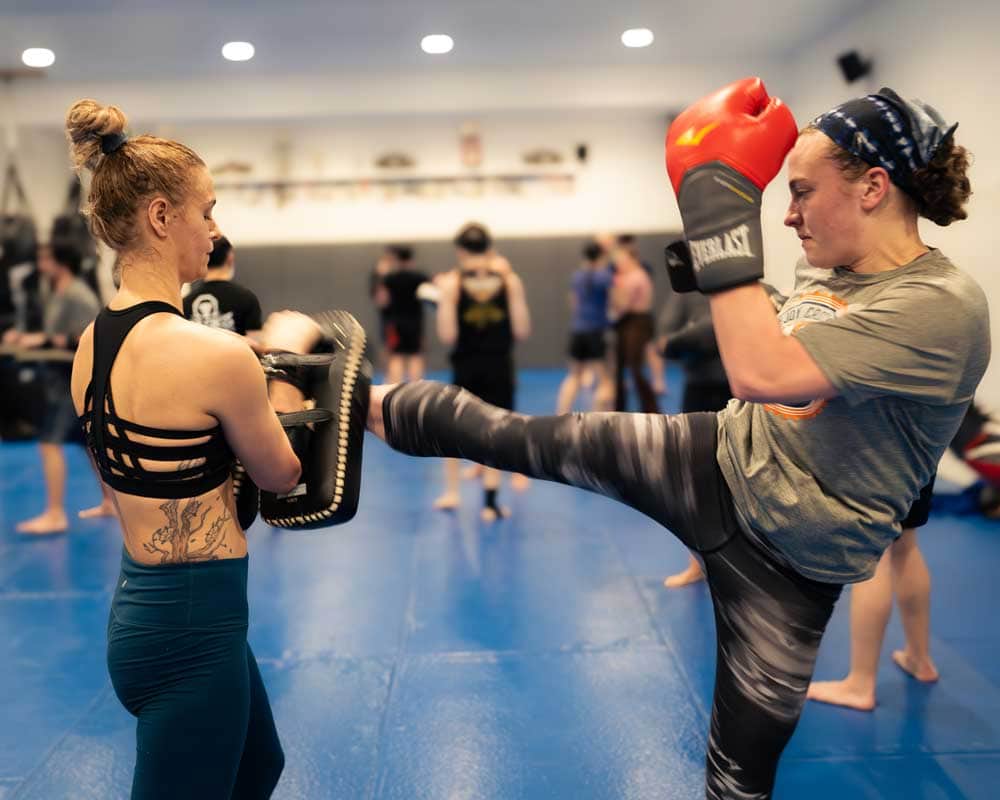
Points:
[(70, 311), (826, 483)]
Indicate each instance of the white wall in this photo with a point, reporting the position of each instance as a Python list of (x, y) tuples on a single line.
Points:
[(947, 55), (944, 53), (620, 186), (336, 125), (615, 188), (324, 95)]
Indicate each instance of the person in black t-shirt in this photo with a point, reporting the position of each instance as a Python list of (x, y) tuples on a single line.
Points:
[(218, 301), (402, 313)]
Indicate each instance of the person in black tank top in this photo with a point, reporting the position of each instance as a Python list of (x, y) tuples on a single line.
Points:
[(481, 314), (166, 407), (482, 357)]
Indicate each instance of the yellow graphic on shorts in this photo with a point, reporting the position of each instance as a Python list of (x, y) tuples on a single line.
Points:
[(798, 312)]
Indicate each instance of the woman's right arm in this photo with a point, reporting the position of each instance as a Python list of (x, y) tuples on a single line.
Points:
[(239, 400)]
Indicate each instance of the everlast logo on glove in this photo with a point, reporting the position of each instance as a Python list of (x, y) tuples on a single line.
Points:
[(733, 243), (721, 153)]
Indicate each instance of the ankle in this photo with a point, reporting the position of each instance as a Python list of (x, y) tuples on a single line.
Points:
[(860, 681), (917, 656)]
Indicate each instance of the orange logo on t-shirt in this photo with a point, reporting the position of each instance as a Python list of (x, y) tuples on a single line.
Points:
[(798, 312)]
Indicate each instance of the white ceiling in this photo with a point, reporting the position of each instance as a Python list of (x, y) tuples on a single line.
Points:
[(108, 40)]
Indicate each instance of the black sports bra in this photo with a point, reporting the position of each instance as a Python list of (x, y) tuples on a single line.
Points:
[(117, 456)]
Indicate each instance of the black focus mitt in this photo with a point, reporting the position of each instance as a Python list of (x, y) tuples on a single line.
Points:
[(328, 437), (246, 494)]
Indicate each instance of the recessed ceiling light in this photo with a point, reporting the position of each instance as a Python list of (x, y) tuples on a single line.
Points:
[(237, 51), (437, 43), (637, 37), (38, 57)]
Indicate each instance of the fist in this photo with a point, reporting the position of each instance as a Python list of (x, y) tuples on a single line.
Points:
[(740, 126)]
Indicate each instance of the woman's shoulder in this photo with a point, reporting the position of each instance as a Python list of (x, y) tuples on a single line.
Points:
[(198, 346), (935, 270)]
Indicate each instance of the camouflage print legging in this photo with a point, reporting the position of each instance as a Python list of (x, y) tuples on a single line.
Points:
[(769, 619)]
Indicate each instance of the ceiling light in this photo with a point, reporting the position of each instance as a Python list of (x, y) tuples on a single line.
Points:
[(637, 37), (437, 43), (38, 57), (237, 51)]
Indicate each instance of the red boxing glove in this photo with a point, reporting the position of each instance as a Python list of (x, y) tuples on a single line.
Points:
[(738, 125), (721, 153)]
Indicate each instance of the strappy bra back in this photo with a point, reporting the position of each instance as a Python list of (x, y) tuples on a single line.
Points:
[(117, 454)]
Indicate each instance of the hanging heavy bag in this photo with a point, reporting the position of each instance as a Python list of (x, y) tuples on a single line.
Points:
[(18, 240), (70, 229)]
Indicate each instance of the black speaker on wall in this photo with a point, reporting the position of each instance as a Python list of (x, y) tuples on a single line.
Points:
[(852, 66)]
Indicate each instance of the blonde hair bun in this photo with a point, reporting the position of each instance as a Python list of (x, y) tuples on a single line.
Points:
[(86, 122)]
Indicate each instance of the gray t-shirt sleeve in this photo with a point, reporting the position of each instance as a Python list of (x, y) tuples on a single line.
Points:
[(777, 298), (72, 311), (913, 341)]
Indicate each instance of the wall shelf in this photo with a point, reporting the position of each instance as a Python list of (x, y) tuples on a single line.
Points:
[(389, 187)]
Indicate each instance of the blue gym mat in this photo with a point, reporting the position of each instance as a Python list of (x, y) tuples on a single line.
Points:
[(415, 654)]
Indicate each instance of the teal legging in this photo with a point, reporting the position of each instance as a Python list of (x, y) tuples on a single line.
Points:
[(179, 661)]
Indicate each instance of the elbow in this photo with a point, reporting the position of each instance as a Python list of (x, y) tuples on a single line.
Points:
[(759, 388), (755, 379), (290, 484), (292, 476), (285, 480), (742, 391), (749, 387)]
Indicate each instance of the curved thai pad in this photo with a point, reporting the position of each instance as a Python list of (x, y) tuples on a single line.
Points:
[(329, 438)]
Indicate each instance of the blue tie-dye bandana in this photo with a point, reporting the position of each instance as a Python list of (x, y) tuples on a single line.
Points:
[(884, 130)]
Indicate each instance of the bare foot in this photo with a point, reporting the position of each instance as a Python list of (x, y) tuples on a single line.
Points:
[(490, 514), (447, 502), (685, 578), (45, 523), (519, 482), (472, 471), (921, 670), (103, 510), (842, 693)]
